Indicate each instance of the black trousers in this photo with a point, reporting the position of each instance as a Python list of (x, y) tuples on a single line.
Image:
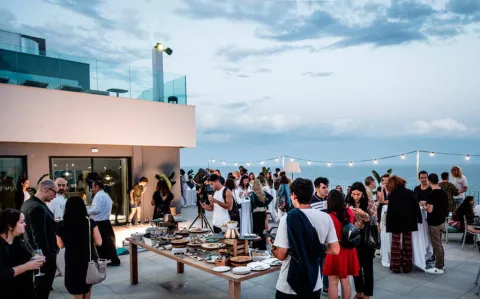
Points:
[(258, 228), (364, 280), (108, 249), (314, 295), (44, 283)]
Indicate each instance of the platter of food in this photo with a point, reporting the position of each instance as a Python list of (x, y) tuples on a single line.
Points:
[(198, 230), (172, 237), (273, 262), (212, 246)]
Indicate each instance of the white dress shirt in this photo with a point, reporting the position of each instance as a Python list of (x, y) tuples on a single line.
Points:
[(101, 207), (57, 206), (26, 195)]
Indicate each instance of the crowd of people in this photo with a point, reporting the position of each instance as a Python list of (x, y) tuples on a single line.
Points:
[(32, 236), (334, 234), (315, 215)]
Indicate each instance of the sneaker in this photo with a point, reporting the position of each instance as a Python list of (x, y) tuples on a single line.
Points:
[(434, 271)]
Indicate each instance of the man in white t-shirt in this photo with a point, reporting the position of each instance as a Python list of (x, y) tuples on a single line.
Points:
[(220, 203), (301, 194), (57, 205)]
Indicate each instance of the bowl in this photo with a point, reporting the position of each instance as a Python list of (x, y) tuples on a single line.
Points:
[(137, 236), (260, 255), (232, 224), (224, 228), (178, 217)]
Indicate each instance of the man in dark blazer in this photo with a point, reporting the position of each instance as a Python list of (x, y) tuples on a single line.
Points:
[(41, 233)]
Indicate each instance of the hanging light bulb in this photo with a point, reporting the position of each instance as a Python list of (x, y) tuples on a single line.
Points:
[(248, 163), (467, 158), (236, 164), (261, 162), (213, 160), (67, 173), (224, 163), (291, 159), (329, 164), (276, 159), (432, 154), (351, 163), (402, 157), (309, 162), (375, 161), (108, 177)]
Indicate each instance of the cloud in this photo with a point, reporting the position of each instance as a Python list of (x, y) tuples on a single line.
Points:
[(263, 70), (161, 36), (440, 126), (243, 76), (342, 126), (235, 54), (317, 74), (88, 8), (236, 106), (215, 137)]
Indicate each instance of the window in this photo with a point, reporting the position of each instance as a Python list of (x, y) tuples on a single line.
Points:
[(11, 169), (115, 175)]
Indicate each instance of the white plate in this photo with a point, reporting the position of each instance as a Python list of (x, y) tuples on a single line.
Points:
[(258, 266), (221, 269), (241, 270), (275, 261)]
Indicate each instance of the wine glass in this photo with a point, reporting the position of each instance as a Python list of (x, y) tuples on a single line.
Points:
[(37, 254)]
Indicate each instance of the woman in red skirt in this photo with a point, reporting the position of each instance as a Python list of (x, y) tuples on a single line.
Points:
[(339, 267)]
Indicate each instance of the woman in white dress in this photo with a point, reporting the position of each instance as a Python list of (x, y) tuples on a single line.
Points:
[(242, 197), (460, 181)]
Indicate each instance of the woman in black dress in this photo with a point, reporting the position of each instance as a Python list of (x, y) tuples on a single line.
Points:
[(16, 264), (74, 236), (162, 198)]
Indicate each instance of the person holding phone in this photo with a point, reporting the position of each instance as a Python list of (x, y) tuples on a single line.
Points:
[(16, 263), (220, 203)]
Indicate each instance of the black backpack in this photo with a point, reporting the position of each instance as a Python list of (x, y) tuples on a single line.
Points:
[(351, 236), (234, 213)]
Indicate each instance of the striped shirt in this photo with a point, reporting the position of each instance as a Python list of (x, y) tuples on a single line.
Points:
[(319, 203)]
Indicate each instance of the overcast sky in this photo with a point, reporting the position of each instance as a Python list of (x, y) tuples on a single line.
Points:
[(321, 80)]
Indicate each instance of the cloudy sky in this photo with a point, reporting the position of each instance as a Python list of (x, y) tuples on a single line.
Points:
[(321, 80)]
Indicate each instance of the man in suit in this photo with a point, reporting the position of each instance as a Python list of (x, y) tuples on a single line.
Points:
[(41, 233)]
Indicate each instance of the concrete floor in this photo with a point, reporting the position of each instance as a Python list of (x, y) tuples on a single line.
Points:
[(158, 278)]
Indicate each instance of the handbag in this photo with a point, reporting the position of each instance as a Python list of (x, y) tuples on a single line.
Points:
[(455, 224), (371, 233), (97, 269)]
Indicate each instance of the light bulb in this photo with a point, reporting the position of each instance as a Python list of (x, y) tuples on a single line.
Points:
[(224, 163), (402, 157), (351, 163), (213, 160), (261, 162), (329, 164), (236, 164), (291, 159), (467, 158), (309, 162), (248, 163), (375, 161), (276, 159), (432, 154)]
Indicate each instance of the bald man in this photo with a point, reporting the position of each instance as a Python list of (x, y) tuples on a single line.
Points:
[(57, 205)]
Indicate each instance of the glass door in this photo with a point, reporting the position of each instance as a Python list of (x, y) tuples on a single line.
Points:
[(11, 169), (114, 172)]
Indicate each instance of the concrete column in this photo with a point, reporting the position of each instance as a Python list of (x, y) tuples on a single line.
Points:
[(157, 69)]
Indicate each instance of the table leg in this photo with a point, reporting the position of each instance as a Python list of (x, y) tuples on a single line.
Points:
[(133, 264), (234, 290), (180, 267)]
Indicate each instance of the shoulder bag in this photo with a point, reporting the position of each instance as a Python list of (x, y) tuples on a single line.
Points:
[(371, 233), (97, 269)]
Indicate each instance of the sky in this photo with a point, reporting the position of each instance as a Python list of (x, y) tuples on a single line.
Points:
[(320, 80)]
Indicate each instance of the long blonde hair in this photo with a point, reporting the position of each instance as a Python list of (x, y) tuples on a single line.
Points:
[(257, 189), (459, 172)]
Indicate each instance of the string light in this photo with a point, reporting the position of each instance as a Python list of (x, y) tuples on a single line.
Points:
[(224, 163), (309, 162), (329, 164), (351, 163), (291, 159), (375, 161), (262, 162), (276, 159), (213, 160), (248, 163), (402, 157), (236, 164), (467, 158), (432, 154)]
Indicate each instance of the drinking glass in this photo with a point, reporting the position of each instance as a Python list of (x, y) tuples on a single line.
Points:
[(37, 254)]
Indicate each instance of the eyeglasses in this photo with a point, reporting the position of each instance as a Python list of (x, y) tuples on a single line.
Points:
[(54, 192)]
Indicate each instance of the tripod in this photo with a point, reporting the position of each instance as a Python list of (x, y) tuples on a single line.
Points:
[(201, 212)]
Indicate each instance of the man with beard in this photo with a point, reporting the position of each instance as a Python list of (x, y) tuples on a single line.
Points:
[(40, 233), (100, 212), (57, 205)]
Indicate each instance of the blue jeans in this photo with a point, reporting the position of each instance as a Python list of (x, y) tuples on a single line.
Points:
[(324, 277)]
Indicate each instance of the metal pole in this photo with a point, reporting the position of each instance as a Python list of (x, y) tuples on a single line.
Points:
[(418, 163)]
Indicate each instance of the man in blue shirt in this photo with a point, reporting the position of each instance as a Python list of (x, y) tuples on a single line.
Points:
[(100, 212)]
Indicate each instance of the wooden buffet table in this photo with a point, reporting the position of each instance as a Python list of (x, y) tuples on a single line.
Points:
[(234, 281)]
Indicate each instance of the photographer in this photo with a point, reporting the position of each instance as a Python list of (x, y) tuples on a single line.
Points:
[(220, 203)]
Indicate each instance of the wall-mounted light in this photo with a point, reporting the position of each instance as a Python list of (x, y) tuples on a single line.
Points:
[(94, 150)]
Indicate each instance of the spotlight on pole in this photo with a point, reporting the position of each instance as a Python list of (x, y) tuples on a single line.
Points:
[(160, 47)]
